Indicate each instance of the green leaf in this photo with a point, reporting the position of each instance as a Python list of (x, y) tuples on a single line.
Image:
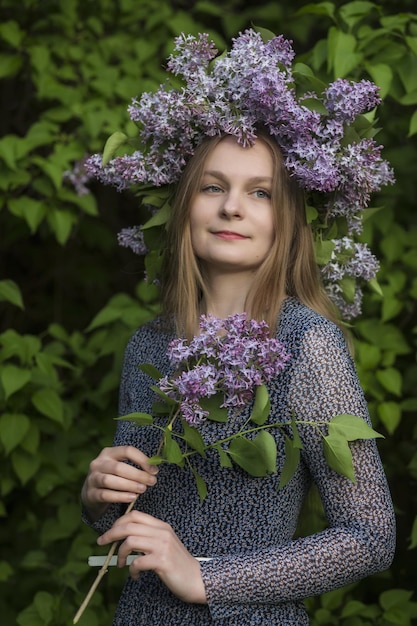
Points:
[(11, 32), (61, 221), (413, 125), (212, 405), (342, 56), (314, 104), (6, 571), (391, 379), (304, 76), (297, 443), (201, 485), (413, 536), (348, 285), (258, 456), (390, 415), (292, 458), (224, 457), (338, 455), (382, 75), (48, 402), (311, 213), (193, 438), (261, 406), (159, 218), (267, 447), (25, 465), (171, 450), (151, 370), (10, 65), (156, 460), (44, 603), (245, 453), (394, 597), (169, 401), (115, 141), (142, 419), (10, 292), (13, 378), (323, 251), (13, 428), (375, 286), (160, 408), (351, 427), (318, 8), (265, 33)]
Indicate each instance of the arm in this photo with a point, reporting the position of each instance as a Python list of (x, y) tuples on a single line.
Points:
[(120, 473), (360, 538)]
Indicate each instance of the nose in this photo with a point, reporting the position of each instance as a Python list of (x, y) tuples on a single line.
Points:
[(232, 206)]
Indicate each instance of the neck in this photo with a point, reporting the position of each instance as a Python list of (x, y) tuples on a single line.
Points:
[(226, 295)]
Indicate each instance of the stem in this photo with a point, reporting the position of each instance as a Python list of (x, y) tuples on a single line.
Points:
[(104, 569)]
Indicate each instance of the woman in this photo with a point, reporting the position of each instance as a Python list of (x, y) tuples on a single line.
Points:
[(238, 241)]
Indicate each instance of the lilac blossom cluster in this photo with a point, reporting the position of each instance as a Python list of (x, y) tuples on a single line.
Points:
[(353, 260), (132, 237), (250, 86), (350, 258), (231, 356), (79, 177)]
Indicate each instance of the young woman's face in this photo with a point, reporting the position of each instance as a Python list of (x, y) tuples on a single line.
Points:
[(231, 219)]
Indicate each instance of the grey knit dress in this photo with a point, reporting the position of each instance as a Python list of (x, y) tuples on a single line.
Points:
[(260, 575)]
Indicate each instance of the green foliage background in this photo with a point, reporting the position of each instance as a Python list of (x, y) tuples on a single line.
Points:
[(70, 297)]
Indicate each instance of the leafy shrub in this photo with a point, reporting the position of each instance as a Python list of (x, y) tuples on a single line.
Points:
[(69, 297)]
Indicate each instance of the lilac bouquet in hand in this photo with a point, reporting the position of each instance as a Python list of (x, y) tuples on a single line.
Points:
[(231, 357), (225, 368)]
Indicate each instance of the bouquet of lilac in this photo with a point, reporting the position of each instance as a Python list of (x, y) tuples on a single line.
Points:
[(228, 366)]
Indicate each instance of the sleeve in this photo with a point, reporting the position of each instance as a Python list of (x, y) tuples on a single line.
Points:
[(360, 537), (114, 511)]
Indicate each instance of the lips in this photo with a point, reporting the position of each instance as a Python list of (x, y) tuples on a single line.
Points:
[(229, 235)]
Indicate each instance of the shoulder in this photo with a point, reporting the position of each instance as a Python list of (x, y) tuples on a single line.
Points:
[(299, 326), (150, 341), (159, 329)]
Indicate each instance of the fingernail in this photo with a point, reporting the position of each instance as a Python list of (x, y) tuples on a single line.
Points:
[(100, 540)]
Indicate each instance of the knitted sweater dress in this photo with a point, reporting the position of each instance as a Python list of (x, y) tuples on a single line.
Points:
[(258, 574)]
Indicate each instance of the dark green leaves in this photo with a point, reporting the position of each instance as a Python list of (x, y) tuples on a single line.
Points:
[(342, 429), (257, 456), (261, 406)]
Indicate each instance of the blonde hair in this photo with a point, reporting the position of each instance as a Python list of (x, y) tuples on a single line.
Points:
[(289, 269)]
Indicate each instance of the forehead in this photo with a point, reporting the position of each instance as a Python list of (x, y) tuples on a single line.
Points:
[(228, 156)]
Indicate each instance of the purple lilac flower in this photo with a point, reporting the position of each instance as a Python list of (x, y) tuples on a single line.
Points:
[(198, 382), (231, 356), (251, 85), (350, 258), (348, 310), (79, 177), (346, 100), (193, 413), (132, 238)]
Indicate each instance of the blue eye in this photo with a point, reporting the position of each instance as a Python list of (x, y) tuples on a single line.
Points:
[(212, 189), (262, 193)]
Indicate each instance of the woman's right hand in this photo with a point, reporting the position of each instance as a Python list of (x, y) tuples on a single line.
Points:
[(110, 479)]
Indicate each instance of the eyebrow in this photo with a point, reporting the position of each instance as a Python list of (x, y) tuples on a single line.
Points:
[(253, 180)]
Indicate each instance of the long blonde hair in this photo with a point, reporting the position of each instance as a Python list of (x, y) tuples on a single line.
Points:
[(289, 269)]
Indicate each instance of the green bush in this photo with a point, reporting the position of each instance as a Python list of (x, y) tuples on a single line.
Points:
[(70, 297)]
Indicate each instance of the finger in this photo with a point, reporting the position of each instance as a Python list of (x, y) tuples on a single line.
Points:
[(121, 476), (132, 454)]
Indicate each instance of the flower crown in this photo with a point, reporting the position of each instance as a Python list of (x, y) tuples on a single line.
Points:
[(325, 134)]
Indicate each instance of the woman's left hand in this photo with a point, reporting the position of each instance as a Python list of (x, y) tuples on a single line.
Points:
[(162, 552)]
